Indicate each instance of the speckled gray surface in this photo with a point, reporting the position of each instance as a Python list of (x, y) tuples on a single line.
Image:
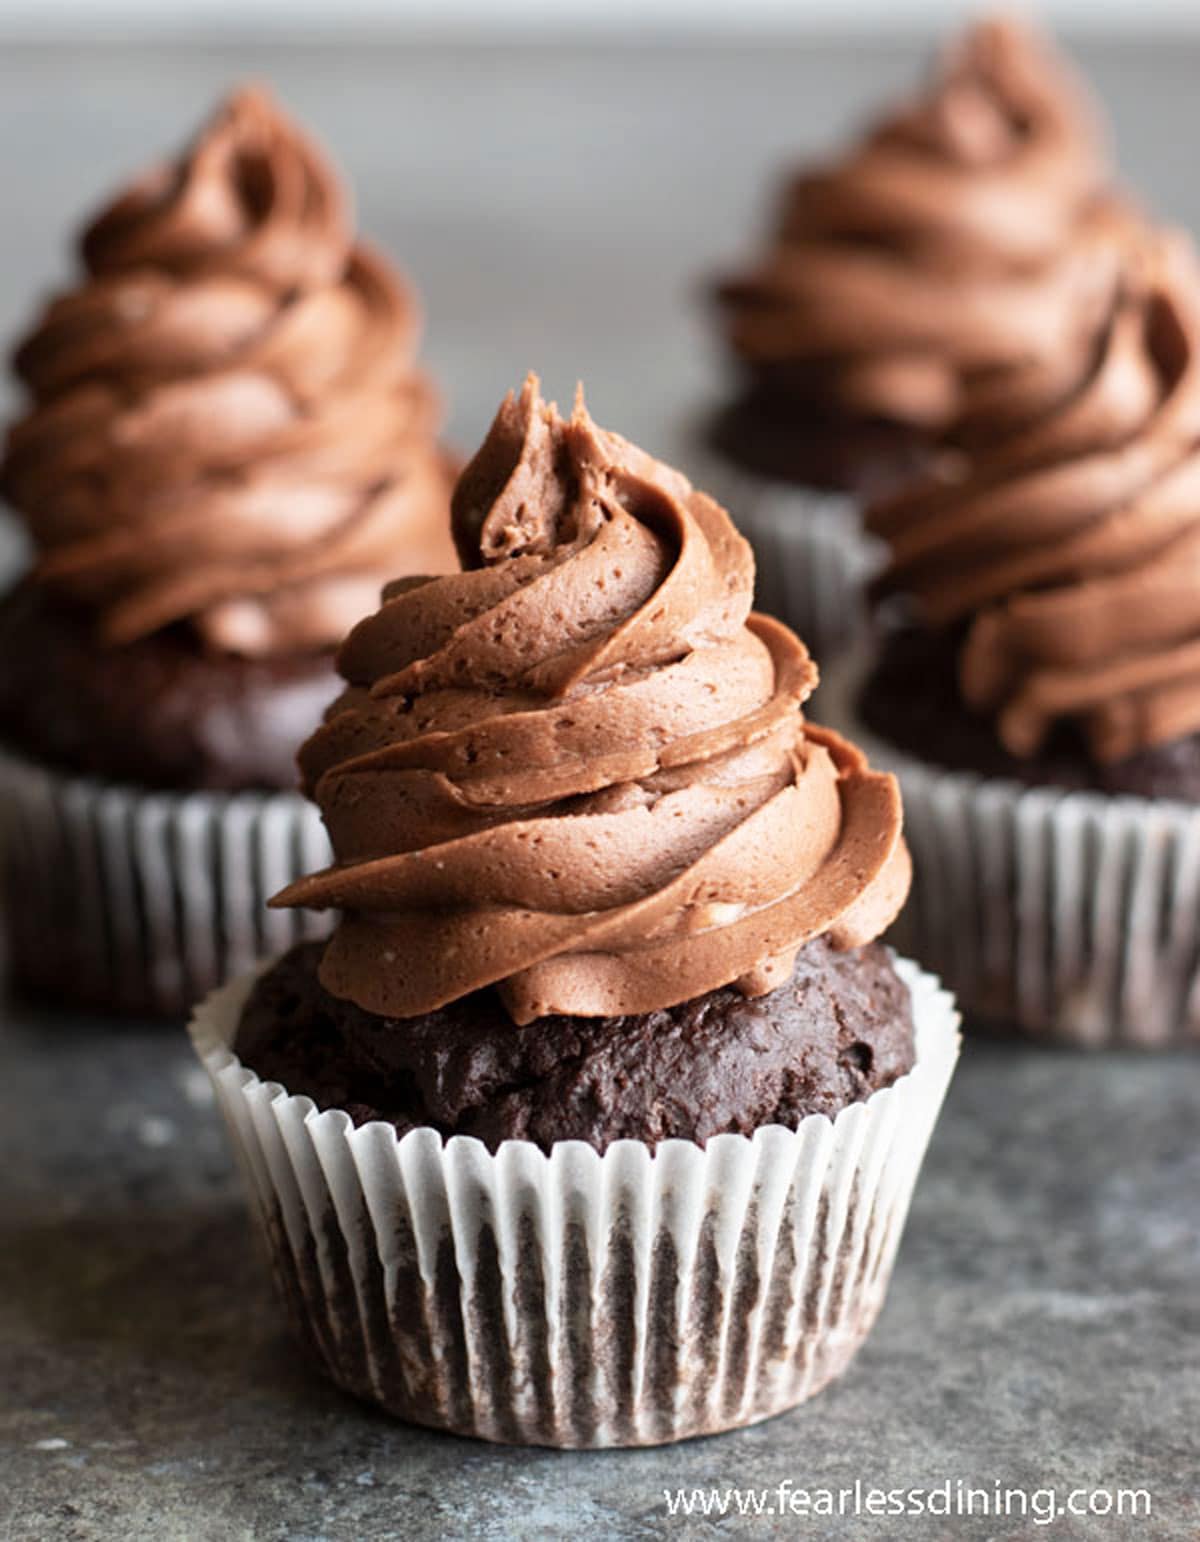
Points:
[(1043, 1327)]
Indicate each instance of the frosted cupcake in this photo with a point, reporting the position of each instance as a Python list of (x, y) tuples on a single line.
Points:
[(1037, 686), (227, 449), (964, 244), (596, 1121)]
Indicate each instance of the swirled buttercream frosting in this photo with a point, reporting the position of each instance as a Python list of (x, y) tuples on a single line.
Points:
[(227, 426), (1068, 556), (968, 238), (579, 770)]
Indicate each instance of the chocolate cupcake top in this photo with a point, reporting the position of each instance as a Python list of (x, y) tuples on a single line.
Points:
[(579, 769), (227, 426), (965, 239), (1069, 555), (839, 1029)]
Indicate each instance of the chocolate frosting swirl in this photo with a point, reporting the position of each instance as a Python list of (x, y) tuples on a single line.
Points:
[(1070, 553), (966, 237), (227, 426), (579, 770)]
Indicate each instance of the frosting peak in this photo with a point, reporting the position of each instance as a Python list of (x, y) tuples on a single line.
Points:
[(228, 427), (1069, 553), (578, 770), (967, 234), (252, 197)]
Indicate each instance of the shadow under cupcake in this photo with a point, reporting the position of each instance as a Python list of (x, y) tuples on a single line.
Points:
[(227, 451), (596, 1121)]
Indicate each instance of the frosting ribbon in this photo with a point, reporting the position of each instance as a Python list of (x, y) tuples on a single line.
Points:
[(227, 427), (579, 770), (1069, 554), (966, 238)]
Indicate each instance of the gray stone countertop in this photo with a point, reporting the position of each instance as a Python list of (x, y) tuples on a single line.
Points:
[(557, 207)]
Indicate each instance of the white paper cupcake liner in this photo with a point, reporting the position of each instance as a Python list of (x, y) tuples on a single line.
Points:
[(140, 902), (1072, 916), (812, 558), (574, 1299)]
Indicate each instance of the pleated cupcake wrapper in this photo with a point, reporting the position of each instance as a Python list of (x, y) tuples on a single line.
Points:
[(1072, 916), (812, 558), (140, 901), (574, 1299)]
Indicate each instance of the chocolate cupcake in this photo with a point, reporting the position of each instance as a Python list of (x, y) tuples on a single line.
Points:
[(1037, 685), (965, 245), (228, 450), (620, 1103)]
